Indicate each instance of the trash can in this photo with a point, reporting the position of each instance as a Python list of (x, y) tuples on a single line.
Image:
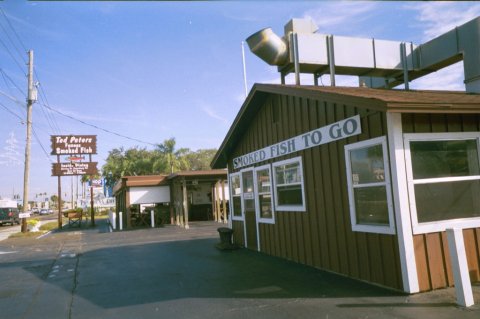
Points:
[(225, 238)]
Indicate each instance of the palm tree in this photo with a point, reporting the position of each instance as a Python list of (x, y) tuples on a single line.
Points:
[(176, 159)]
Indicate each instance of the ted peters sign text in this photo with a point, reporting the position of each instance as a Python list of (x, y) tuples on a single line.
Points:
[(333, 132), (73, 144), (70, 169)]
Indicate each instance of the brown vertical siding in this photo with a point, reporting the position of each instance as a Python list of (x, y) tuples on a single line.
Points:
[(431, 250), (322, 236), (238, 235)]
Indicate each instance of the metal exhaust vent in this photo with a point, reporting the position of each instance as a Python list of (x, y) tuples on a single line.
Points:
[(268, 46), (378, 63)]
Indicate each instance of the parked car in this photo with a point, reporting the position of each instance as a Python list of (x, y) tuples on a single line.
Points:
[(9, 215), (35, 210), (44, 211)]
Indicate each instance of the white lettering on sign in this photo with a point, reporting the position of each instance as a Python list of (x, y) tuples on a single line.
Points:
[(326, 134)]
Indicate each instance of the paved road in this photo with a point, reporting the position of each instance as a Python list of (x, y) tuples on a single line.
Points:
[(175, 273), (6, 231)]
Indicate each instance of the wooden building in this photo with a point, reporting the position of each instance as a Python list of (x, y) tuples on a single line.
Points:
[(176, 198), (362, 182)]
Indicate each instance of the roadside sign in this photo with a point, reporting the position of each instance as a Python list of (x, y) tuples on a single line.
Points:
[(23, 215), (96, 183), (71, 169), (73, 144), (75, 158)]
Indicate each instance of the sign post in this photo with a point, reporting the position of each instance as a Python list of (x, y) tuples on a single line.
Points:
[(73, 145)]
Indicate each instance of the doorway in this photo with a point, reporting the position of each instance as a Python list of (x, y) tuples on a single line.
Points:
[(248, 192)]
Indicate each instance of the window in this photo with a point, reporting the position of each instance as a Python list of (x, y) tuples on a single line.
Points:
[(248, 190), (443, 174), (369, 190), (236, 190), (264, 199), (289, 192)]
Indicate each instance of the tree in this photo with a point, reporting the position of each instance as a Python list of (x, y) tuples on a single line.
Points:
[(164, 159), (201, 159), (176, 159)]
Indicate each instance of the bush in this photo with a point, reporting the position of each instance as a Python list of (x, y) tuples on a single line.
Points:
[(32, 222)]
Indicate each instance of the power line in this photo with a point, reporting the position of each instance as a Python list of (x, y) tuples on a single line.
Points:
[(12, 98), (41, 145), (4, 74), (11, 55), (11, 112), (81, 121), (13, 44), (99, 128), (43, 97), (13, 29)]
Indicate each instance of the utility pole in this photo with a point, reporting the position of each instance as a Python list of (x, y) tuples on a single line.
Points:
[(31, 98)]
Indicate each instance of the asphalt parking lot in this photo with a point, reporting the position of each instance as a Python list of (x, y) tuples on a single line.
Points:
[(171, 272)]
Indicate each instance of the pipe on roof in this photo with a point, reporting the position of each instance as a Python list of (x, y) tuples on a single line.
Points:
[(461, 43), (379, 63), (268, 46)]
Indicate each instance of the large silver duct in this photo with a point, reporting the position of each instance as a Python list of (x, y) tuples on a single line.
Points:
[(378, 63), (268, 46), (461, 43)]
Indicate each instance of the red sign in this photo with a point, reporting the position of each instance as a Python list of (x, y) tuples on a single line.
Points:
[(75, 158)]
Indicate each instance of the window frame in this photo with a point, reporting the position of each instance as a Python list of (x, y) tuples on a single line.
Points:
[(442, 225), (258, 193), (232, 195), (289, 208), (356, 227), (253, 190)]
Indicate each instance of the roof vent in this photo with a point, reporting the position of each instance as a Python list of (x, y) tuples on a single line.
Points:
[(379, 63)]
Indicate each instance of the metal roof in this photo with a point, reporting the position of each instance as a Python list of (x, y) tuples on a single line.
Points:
[(384, 100), (199, 174), (159, 180)]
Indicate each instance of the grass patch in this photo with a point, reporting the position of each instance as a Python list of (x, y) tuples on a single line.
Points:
[(49, 226), (29, 234)]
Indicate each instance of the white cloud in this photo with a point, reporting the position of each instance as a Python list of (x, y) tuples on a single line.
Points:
[(436, 18), (341, 15), (208, 110), (449, 78)]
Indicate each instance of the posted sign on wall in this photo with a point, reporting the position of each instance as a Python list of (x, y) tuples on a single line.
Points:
[(330, 133)]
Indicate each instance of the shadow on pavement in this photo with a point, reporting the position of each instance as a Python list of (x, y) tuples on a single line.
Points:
[(140, 274)]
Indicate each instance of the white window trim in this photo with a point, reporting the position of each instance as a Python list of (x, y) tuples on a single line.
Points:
[(257, 193), (243, 193), (232, 215), (289, 208), (436, 226), (377, 229)]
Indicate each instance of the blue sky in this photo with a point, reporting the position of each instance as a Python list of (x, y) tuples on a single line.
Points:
[(155, 70)]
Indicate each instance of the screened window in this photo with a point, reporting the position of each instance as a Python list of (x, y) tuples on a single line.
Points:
[(236, 189), (264, 194), (369, 186), (443, 179), (289, 189)]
